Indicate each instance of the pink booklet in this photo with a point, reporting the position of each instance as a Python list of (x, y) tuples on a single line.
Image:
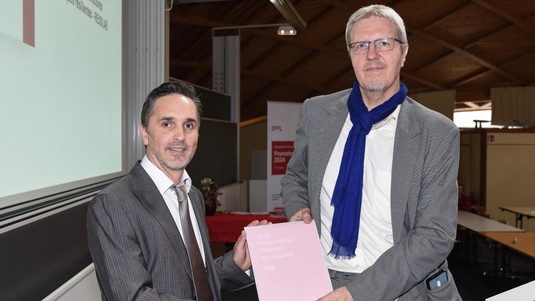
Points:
[(288, 262)]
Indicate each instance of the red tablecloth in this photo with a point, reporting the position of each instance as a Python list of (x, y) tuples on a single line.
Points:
[(226, 227)]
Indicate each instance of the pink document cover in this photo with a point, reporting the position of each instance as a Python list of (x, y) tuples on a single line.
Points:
[(288, 262)]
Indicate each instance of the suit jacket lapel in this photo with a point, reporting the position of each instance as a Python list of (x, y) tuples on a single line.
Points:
[(333, 119), (405, 153), (150, 196)]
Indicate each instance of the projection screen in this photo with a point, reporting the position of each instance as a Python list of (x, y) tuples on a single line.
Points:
[(61, 95)]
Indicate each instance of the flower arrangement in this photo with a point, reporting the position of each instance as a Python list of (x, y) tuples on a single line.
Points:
[(210, 193)]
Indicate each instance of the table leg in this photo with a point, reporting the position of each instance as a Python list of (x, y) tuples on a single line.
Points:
[(503, 261), (519, 218)]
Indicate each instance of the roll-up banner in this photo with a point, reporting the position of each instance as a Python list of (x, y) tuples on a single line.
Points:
[(283, 118)]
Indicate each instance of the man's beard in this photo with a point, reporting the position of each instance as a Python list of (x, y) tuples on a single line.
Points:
[(374, 87)]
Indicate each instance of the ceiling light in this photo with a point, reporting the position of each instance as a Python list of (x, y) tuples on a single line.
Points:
[(286, 30), (289, 12)]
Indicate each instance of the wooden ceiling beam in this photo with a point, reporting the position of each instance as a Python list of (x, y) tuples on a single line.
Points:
[(507, 16), (207, 23), (421, 80), (466, 53), (192, 65), (262, 56), (192, 20), (187, 64), (473, 94), (475, 76), (352, 7), (299, 41), (239, 11), (295, 39), (314, 45), (443, 42), (285, 80), (470, 77), (257, 74), (290, 68), (257, 96), (177, 19), (429, 60), (316, 19), (489, 34), (445, 16)]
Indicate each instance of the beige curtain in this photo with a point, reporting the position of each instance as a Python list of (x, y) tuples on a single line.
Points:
[(513, 106)]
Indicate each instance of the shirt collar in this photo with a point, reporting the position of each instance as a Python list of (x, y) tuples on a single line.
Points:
[(393, 116), (161, 180)]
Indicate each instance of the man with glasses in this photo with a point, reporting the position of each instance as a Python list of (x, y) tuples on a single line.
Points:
[(377, 172)]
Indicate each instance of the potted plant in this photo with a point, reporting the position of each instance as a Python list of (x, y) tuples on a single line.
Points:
[(210, 195)]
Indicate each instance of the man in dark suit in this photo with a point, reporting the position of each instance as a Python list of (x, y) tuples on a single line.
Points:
[(377, 172), (135, 225)]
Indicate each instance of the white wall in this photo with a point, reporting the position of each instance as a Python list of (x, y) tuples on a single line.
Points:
[(258, 196), (234, 197), (510, 174), (442, 101)]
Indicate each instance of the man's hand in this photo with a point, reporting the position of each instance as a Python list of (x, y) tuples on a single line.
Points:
[(240, 253), (339, 294), (302, 215)]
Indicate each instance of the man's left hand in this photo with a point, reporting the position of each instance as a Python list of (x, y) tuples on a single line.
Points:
[(339, 294), (240, 254)]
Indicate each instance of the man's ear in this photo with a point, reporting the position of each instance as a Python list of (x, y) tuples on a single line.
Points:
[(144, 135), (405, 52)]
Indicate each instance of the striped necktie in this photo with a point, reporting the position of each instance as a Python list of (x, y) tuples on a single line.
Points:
[(200, 278)]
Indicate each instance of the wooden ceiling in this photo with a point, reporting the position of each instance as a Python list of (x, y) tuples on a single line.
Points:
[(466, 46)]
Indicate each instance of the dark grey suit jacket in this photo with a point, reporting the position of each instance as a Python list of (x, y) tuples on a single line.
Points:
[(138, 251), (423, 194)]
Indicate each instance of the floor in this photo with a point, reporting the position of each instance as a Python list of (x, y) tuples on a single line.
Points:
[(474, 281), (471, 273)]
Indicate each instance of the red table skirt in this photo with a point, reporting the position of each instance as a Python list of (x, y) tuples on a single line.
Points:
[(226, 227)]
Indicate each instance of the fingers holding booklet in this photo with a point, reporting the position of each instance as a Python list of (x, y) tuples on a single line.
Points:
[(240, 254)]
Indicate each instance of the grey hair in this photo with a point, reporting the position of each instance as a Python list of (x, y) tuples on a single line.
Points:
[(376, 10)]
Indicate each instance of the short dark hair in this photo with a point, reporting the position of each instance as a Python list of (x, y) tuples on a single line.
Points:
[(167, 88)]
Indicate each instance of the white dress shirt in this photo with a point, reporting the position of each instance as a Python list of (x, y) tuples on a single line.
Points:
[(168, 193), (375, 229)]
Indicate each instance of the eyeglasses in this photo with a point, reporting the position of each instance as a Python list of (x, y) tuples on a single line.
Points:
[(382, 44)]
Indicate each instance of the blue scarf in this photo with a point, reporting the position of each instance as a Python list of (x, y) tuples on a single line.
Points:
[(347, 195)]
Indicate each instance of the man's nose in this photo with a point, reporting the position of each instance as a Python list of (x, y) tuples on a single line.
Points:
[(178, 134), (372, 52)]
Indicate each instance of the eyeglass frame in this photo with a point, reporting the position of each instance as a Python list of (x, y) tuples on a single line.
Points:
[(350, 45)]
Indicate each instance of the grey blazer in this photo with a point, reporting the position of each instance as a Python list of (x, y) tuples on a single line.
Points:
[(137, 249), (423, 194)]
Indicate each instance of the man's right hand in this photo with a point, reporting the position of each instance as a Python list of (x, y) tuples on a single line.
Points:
[(302, 215)]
